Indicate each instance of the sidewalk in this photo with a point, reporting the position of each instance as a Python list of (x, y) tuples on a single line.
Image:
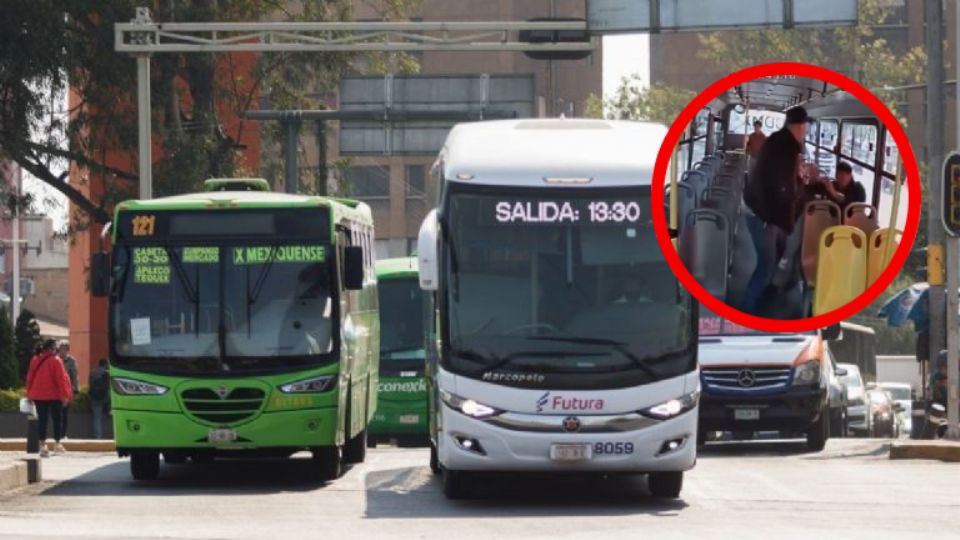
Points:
[(72, 445), (937, 450), (18, 470)]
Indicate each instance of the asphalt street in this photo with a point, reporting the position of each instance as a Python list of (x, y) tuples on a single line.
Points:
[(750, 490)]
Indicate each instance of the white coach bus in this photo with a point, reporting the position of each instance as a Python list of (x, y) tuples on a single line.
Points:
[(561, 340)]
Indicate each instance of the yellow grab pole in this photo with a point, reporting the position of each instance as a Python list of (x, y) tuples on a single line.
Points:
[(674, 211), (892, 231)]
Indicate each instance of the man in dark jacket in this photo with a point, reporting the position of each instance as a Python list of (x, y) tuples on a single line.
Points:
[(770, 197)]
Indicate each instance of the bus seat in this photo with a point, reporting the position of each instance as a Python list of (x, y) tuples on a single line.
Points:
[(686, 202), (817, 217), (841, 268), (699, 181), (878, 245), (704, 249), (743, 261), (861, 215), (725, 200)]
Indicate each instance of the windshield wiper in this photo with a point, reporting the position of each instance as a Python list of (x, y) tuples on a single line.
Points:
[(618, 346), (193, 293), (258, 284)]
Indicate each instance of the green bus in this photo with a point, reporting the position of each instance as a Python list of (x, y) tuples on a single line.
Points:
[(402, 395), (241, 323)]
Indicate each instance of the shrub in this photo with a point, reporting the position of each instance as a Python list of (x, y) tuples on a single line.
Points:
[(27, 333), (9, 371)]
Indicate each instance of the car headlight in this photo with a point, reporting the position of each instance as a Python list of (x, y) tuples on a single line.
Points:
[(468, 407), (673, 407), (807, 373), (133, 387), (312, 385)]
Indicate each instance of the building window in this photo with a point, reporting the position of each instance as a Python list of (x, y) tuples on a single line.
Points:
[(416, 181), (368, 182)]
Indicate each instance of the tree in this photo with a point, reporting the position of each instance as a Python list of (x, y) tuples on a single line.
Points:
[(634, 101), (27, 337), (51, 46), (9, 370)]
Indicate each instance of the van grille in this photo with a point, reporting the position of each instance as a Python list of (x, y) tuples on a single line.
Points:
[(239, 404), (746, 379)]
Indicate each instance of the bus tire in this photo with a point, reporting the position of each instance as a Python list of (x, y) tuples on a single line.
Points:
[(371, 442), (327, 463), (434, 460), (665, 485), (355, 451), (144, 465), (456, 485), (819, 432)]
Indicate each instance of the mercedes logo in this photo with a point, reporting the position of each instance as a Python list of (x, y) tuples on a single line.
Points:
[(571, 424), (746, 378)]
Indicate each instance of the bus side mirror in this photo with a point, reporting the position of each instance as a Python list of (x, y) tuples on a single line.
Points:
[(831, 333), (427, 252), (353, 268), (100, 274)]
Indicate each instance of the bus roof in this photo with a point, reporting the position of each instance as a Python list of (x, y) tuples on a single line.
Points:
[(398, 268), (530, 152), (235, 199)]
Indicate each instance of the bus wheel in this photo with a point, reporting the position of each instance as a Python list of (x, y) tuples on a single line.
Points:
[(174, 458), (434, 460), (327, 463), (371, 442), (355, 451), (144, 465), (665, 485), (819, 432), (456, 484)]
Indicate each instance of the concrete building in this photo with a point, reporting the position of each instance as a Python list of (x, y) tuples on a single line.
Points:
[(396, 186)]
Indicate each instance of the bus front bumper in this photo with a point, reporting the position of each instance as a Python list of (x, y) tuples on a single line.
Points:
[(504, 449), (399, 418), (295, 429)]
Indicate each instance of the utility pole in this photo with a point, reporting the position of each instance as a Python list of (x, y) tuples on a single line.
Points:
[(935, 231), (15, 252), (953, 268)]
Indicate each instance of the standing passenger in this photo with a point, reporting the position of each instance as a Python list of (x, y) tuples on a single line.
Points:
[(755, 140), (770, 199)]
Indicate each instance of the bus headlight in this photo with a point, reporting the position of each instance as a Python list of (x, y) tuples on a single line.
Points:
[(674, 407), (132, 387), (309, 386), (468, 407), (807, 372)]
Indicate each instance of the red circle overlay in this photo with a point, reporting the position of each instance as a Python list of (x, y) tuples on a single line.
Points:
[(663, 162)]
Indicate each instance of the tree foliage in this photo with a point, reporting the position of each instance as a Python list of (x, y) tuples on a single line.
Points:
[(634, 101), (9, 370), (51, 47), (27, 337)]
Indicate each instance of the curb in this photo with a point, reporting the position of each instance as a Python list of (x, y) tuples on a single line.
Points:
[(72, 445), (16, 474), (935, 450)]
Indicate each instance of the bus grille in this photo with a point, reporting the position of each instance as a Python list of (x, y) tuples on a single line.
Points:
[(746, 379), (239, 404)]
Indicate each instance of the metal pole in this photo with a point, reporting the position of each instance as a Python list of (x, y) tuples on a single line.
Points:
[(935, 114), (322, 159), (290, 169), (674, 196), (953, 268), (15, 251), (143, 122)]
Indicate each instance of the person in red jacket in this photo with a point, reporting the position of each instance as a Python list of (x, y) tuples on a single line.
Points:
[(48, 386)]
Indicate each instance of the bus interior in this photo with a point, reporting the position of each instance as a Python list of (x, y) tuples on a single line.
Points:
[(834, 252)]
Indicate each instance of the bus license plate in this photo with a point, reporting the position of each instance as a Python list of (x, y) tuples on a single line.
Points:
[(746, 414), (409, 418), (569, 452), (221, 435)]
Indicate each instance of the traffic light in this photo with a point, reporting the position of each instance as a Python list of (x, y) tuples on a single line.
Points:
[(950, 212)]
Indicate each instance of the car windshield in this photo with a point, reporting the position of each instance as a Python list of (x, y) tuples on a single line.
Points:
[(401, 324), (899, 393), (562, 281), (204, 308), (852, 378)]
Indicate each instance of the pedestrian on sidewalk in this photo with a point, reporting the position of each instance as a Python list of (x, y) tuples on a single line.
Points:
[(48, 386), (99, 396), (70, 363)]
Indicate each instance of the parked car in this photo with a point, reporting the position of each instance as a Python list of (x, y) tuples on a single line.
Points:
[(883, 413), (858, 420), (902, 394), (836, 396)]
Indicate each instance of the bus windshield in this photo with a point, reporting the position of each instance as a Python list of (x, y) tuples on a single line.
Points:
[(562, 281), (401, 325), (237, 306)]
